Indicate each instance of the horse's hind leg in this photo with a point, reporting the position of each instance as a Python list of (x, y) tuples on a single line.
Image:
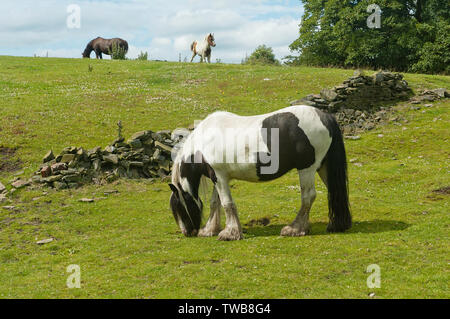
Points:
[(300, 226), (212, 227), (233, 229)]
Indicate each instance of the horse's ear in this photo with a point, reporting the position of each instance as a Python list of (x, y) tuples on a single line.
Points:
[(174, 189)]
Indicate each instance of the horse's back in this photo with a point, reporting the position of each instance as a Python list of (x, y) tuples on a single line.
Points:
[(302, 142)]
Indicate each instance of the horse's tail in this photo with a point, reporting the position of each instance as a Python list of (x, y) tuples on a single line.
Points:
[(193, 44), (337, 181)]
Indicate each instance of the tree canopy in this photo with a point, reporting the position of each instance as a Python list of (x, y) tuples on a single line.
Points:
[(261, 55), (414, 35)]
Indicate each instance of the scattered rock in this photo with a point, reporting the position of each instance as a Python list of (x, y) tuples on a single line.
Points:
[(87, 200), (9, 207), (18, 184), (350, 137), (48, 157), (45, 241), (2, 188)]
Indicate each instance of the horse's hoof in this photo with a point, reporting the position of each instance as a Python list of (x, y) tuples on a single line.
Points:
[(206, 232), (289, 231), (230, 234)]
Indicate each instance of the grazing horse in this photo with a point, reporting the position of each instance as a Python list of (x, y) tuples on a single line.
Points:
[(105, 46), (225, 146), (203, 48)]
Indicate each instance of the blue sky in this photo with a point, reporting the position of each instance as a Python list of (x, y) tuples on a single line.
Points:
[(164, 29)]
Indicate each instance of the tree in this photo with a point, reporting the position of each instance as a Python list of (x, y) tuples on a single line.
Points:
[(261, 55), (335, 32)]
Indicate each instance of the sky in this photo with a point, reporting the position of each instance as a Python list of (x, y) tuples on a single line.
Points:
[(163, 28)]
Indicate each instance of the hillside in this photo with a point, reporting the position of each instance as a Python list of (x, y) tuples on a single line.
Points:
[(126, 242)]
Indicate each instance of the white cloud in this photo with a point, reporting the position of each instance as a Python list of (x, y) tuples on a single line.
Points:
[(164, 29)]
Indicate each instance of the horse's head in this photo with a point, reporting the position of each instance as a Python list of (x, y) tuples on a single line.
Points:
[(186, 205), (211, 40), (87, 52)]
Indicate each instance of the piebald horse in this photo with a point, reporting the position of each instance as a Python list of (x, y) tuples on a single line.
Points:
[(105, 46), (225, 146), (203, 48)]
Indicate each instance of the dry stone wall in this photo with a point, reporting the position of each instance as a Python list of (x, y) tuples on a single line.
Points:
[(146, 154)]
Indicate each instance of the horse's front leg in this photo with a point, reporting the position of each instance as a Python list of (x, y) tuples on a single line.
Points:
[(212, 227), (300, 226), (233, 229), (193, 56)]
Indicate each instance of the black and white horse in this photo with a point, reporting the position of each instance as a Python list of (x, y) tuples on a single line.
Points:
[(260, 148)]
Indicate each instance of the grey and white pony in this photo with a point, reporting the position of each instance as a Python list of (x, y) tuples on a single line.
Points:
[(260, 148), (203, 48)]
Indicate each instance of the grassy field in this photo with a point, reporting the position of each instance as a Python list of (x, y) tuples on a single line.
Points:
[(127, 243)]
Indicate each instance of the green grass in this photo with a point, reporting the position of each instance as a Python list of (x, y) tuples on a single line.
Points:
[(128, 245)]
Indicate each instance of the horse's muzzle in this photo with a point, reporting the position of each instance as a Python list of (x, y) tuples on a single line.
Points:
[(193, 233)]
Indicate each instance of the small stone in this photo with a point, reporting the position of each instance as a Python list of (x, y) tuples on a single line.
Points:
[(135, 143), (380, 135), (67, 158), (2, 198), (137, 164), (48, 157), (52, 179), (112, 158), (328, 94), (372, 295), (143, 135), (2, 187), (46, 171), (71, 178), (59, 167), (44, 241), (9, 207), (60, 186), (441, 92), (20, 183), (351, 137), (110, 149), (163, 147), (86, 200)]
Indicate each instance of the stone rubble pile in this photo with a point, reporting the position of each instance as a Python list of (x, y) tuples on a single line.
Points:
[(430, 96), (358, 102), (145, 155), (360, 92)]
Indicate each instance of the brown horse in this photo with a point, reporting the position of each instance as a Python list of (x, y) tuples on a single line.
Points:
[(100, 45)]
